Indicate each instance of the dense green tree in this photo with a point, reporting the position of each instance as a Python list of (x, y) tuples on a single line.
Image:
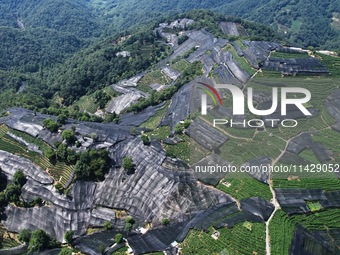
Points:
[(38, 201), (145, 139), (3, 202), (93, 164), (40, 241), (165, 221), (182, 39), (25, 235), (69, 236), (12, 193), (107, 225), (128, 227), (128, 164), (101, 248), (59, 187), (118, 238), (3, 181), (51, 125), (50, 154), (129, 219), (68, 135), (3, 199), (62, 152), (179, 129), (19, 178), (72, 156), (62, 118), (66, 251), (186, 123)]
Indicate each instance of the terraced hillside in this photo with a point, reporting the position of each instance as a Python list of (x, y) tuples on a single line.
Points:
[(161, 137), (59, 171)]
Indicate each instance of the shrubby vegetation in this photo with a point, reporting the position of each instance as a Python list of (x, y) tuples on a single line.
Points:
[(40, 241), (69, 236), (296, 18), (128, 165), (93, 68), (37, 240), (25, 235), (72, 17), (118, 238), (66, 251), (165, 221), (68, 136), (145, 139), (129, 221), (90, 164), (12, 193), (19, 179), (51, 125), (24, 58), (39, 43), (156, 98), (107, 225), (93, 164)]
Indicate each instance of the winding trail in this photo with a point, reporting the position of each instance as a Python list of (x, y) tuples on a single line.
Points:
[(270, 182), (277, 207)]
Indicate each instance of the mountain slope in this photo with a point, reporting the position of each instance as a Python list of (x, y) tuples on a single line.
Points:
[(75, 17), (293, 18), (161, 132), (296, 19)]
